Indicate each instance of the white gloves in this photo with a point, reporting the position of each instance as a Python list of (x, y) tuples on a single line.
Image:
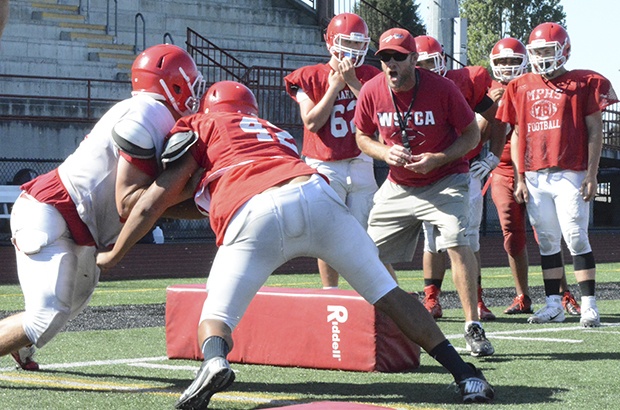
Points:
[(480, 169)]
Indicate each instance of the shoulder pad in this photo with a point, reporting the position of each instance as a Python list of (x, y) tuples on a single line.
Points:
[(133, 139), (177, 145)]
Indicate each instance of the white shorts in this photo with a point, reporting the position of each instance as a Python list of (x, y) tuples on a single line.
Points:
[(281, 224), (557, 210), (354, 182), (59, 278)]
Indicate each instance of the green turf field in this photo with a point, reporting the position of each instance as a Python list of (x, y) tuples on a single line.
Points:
[(535, 366)]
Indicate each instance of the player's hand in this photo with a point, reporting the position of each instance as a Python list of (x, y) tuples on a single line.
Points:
[(336, 80), (397, 156), (423, 163), (496, 93), (588, 188), (481, 168), (105, 260), (521, 192), (347, 69)]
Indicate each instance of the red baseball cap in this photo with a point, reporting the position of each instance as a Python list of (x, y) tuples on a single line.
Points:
[(397, 39)]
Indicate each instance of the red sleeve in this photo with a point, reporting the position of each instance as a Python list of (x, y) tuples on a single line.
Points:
[(148, 166)]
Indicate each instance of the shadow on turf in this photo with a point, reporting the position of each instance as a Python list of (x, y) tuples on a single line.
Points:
[(376, 393)]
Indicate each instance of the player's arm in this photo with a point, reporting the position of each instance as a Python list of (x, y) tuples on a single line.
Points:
[(594, 125), (428, 161), (521, 193), (315, 116), (162, 194), (131, 183)]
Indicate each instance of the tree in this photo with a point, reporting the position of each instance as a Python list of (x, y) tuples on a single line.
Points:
[(492, 20), (381, 15)]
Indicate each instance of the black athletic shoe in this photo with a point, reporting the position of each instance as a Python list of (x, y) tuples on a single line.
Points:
[(477, 342), (213, 376), (475, 389)]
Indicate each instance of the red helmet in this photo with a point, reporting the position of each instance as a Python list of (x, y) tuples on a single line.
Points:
[(548, 35), (229, 96), (508, 48), (348, 27), (429, 48), (168, 73)]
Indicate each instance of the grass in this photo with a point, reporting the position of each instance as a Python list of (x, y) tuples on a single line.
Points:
[(551, 366)]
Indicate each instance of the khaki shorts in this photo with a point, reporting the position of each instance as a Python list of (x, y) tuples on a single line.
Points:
[(396, 218)]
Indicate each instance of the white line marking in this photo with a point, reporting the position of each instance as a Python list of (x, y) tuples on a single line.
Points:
[(164, 366), (102, 362), (538, 339)]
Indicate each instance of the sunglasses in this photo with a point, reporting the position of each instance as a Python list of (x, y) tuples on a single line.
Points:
[(385, 57)]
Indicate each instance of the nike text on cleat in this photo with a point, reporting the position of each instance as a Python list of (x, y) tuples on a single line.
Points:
[(548, 314), (213, 376), (475, 389), (477, 343)]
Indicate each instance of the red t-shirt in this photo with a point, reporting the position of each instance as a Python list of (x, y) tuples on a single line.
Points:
[(474, 82), (439, 115), (242, 156), (550, 116), (336, 139), (504, 167)]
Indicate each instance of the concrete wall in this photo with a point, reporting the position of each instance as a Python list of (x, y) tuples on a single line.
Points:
[(43, 38)]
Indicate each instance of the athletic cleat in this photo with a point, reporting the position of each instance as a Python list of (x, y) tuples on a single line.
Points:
[(475, 389), (483, 311), (590, 318), (477, 342), (24, 358), (431, 301), (520, 304), (570, 304), (213, 376), (547, 314)]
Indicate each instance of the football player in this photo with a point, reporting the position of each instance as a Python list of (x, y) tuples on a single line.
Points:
[(508, 61), (327, 94), (266, 207), (556, 148), (63, 217)]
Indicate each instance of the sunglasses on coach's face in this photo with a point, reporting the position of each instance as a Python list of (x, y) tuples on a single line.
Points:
[(386, 57)]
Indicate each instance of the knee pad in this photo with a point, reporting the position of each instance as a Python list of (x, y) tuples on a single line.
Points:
[(551, 261), (548, 243), (41, 326), (584, 262), (577, 242)]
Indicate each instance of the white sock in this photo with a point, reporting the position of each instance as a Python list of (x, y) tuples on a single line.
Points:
[(588, 302)]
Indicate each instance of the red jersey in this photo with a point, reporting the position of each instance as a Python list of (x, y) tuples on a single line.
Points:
[(474, 82), (439, 115), (550, 116), (336, 139), (504, 167), (242, 156)]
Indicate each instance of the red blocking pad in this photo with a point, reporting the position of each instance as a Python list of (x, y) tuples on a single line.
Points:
[(314, 328), (332, 405)]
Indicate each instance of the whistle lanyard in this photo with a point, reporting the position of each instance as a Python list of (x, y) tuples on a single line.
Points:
[(403, 120)]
